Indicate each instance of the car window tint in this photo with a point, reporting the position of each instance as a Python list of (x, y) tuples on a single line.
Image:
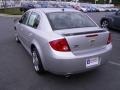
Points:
[(68, 20), (24, 18), (33, 20)]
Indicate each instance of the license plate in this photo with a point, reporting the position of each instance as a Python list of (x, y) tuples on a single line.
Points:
[(92, 61)]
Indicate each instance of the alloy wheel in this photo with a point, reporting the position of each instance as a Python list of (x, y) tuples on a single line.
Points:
[(35, 61), (104, 24)]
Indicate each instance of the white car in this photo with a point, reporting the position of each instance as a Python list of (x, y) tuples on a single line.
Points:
[(63, 41), (83, 9), (101, 9)]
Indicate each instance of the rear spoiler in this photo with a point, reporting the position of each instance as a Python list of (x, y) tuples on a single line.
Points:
[(81, 33)]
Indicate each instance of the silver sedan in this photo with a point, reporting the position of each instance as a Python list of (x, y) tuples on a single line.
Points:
[(62, 41)]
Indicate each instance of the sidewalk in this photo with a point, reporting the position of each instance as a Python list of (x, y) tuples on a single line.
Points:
[(6, 15)]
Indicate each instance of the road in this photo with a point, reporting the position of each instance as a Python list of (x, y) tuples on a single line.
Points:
[(17, 73)]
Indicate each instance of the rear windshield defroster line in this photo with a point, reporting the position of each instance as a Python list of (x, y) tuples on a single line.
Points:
[(69, 20)]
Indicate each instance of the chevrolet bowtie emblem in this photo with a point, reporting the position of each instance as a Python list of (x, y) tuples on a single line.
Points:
[(92, 42)]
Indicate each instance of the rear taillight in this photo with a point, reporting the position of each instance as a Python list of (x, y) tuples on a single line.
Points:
[(60, 45), (109, 39)]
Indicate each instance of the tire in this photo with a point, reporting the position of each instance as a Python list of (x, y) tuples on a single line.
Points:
[(37, 61), (105, 24)]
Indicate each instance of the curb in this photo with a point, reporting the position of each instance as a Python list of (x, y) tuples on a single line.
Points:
[(6, 15)]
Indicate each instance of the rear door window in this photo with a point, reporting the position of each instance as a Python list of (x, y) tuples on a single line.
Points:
[(34, 20), (24, 18), (69, 20)]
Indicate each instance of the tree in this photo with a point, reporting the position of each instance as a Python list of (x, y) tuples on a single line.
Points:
[(116, 1)]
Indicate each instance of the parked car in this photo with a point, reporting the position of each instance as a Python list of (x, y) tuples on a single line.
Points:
[(88, 9), (107, 9), (26, 6), (77, 7), (83, 9), (67, 6), (111, 9), (44, 5), (63, 41), (101, 9), (94, 9), (37, 6), (111, 21), (114, 9)]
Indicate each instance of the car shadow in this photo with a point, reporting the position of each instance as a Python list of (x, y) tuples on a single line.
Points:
[(92, 74), (114, 30)]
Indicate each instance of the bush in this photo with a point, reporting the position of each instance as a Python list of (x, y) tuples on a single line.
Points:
[(11, 11)]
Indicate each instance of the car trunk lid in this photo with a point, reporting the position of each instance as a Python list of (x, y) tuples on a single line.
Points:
[(82, 40)]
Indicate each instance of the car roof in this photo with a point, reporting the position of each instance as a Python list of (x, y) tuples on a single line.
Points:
[(50, 10)]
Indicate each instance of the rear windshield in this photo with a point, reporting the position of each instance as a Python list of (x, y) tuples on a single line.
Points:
[(69, 20)]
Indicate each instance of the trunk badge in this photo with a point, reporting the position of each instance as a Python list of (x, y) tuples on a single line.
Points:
[(92, 42)]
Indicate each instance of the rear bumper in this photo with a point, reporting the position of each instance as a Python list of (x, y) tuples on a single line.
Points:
[(68, 63)]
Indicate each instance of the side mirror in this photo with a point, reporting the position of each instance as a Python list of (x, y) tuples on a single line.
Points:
[(20, 21), (16, 20)]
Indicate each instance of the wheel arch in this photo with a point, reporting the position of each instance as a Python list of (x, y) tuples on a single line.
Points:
[(32, 47), (109, 19), (103, 20), (37, 46)]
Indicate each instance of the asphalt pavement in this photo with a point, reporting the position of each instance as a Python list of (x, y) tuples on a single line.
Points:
[(17, 73)]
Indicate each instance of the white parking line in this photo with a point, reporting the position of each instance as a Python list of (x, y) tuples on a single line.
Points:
[(114, 63)]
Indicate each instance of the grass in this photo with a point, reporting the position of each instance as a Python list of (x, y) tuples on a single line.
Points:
[(11, 11)]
